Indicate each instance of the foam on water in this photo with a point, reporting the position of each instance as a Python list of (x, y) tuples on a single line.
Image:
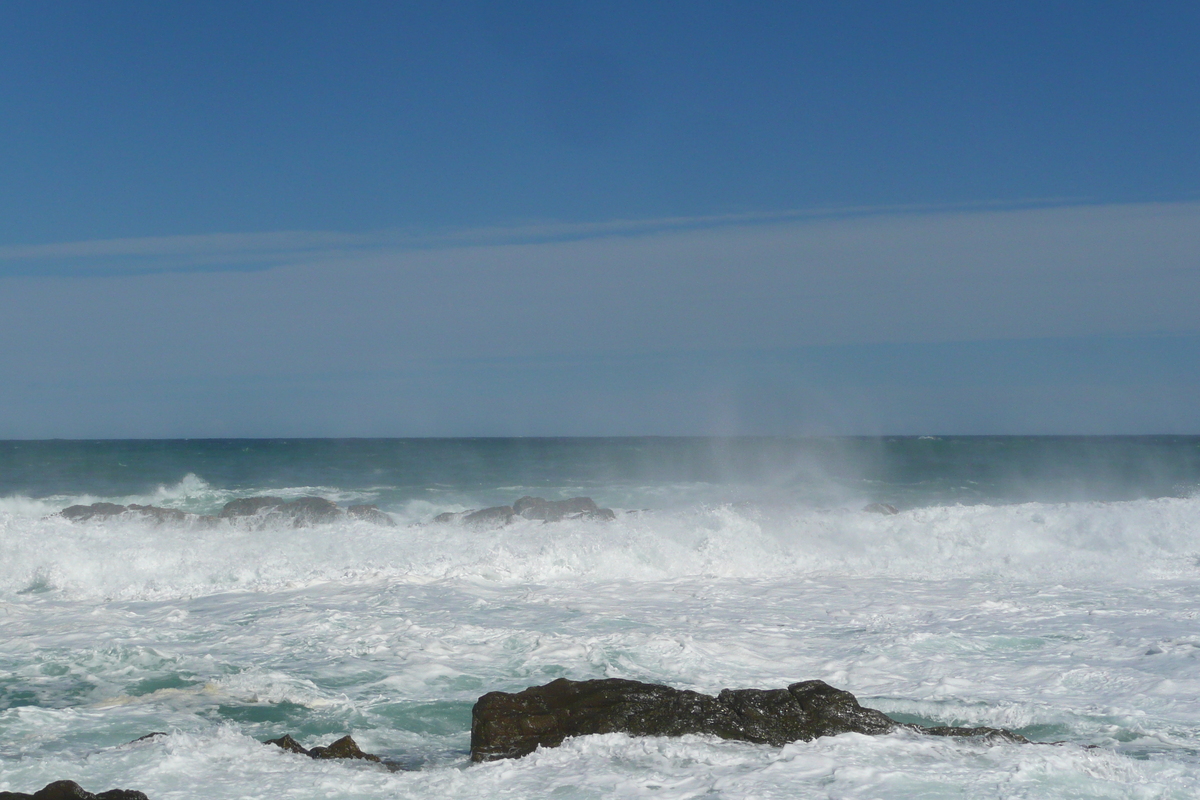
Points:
[(1068, 622)]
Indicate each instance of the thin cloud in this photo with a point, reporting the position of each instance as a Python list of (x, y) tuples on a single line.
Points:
[(263, 250)]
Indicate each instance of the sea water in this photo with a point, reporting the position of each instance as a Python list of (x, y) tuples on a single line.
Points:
[(1044, 585)]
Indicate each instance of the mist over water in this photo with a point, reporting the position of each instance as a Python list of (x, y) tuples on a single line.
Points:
[(1048, 585)]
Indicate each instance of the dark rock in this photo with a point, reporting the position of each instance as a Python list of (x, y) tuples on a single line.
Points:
[(94, 511), (248, 506), (492, 517), (555, 510), (344, 747), (371, 514), (881, 508), (149, 736), (288, 743), (449, 516), (505, 725), (70, 790)]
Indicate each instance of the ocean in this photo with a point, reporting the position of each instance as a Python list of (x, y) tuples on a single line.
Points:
[(1047, 585)]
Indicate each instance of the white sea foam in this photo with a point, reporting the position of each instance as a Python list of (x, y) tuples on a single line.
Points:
[(1068, 622), (132, 558)]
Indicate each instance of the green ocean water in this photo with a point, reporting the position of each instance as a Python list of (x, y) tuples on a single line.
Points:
[(905, 471)]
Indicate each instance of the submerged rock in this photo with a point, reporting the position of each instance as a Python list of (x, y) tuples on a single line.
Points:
[(70, 790), (511, 725), (344, 747), (881, 508)]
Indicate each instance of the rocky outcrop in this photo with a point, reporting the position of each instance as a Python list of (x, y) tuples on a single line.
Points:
[(256, 512), (344, 747), (70, 790), (534, 508), (555, 510), (505, 725)]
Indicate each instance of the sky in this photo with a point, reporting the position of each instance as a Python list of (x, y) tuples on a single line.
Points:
[(478, 219)]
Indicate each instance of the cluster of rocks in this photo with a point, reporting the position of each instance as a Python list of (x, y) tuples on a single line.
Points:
[(70, 790), (535, 508), (258, 512), (344, 747), (511, 725)]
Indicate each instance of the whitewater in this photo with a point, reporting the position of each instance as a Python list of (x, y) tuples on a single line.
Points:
[(1044, 586)]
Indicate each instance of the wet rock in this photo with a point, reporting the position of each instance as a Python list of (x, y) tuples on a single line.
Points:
[(344, 747), (555, 510), (299, 513), (492, 517), (449, 516), (511, 725), (288, 743), (70, 790), (371, 514), (248, 506), (94, 511), (149, 736), (881, 508)]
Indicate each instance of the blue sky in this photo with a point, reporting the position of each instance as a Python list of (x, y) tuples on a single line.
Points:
[(554, 218)]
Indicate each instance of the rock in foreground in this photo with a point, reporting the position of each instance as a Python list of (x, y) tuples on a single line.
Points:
[(70, 790), (505, 725)]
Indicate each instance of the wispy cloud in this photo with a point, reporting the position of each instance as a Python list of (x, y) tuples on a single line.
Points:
[(263, 250)]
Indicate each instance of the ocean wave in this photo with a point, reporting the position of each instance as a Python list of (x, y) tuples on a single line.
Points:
[(133, 558)]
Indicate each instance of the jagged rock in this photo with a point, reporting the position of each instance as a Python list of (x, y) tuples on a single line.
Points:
[(881, 508), (70, 790), (288, 743), (511, 725), (371, 514), (492, 517), (94, 511), (555, 510), (344, 747)]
